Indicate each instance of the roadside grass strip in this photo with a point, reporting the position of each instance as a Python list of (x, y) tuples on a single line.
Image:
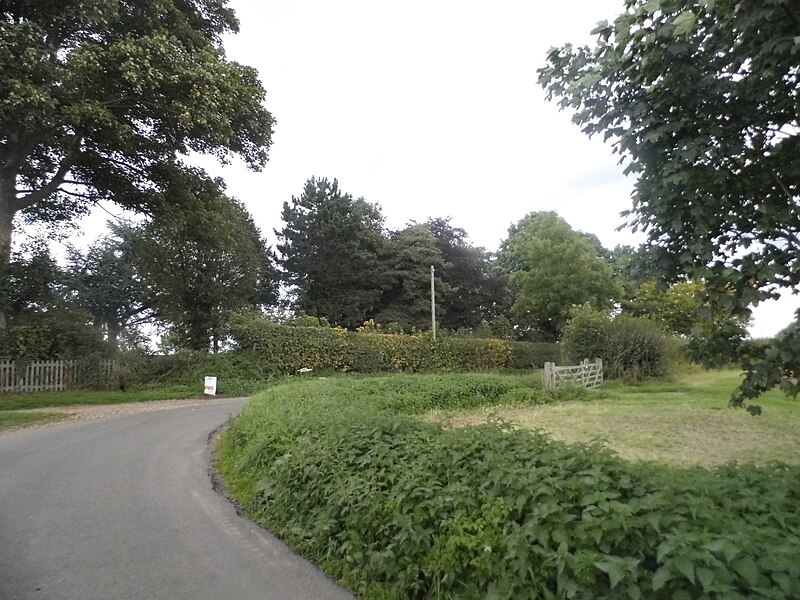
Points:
[(75, 398), (394, 506), (10, 419)]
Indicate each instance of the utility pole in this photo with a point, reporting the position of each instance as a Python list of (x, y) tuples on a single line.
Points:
[(433, 305)]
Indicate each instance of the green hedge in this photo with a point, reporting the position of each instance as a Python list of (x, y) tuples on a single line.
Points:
[(395, 507), (287, 349), (266, 350)]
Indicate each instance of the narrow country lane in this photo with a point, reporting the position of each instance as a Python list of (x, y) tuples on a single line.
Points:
[(123, 508)]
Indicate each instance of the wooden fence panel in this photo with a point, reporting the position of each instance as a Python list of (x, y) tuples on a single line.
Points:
[(52, 375), (587, 374)]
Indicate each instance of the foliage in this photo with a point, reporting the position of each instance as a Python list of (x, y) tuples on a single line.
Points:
[(527, 355), (31, 282), (104, 282), (700, 99), (552, 268), (633, 265), (631, 347), (286, 349), (715, 331), (202, 264), (330, 250), (475, 292), (51, 335), (397, 508), (406, 299), (768, 365), (101, 99)]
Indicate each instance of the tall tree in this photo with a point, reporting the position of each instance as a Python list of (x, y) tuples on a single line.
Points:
[(552, 268), (99, 100), (406, 301), (104, 282), (701, 98), (201, 264), (476, 292), (330, 253)]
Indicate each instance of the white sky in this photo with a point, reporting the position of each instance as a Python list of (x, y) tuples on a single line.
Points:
[(431, 109)]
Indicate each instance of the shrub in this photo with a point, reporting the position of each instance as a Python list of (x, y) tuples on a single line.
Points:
[(631, 347), (398, 508), (533, 355), (54, 335)]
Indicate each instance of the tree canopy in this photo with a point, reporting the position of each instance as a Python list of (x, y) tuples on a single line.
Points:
[(476, 292), (104, 281), (330, 252), (552, 268), (200, 264), (406, 300), (701, 99), (101, 99)]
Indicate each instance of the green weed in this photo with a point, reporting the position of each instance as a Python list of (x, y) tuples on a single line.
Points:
[(395, 507)]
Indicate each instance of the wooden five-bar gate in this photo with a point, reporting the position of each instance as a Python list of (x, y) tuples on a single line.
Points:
[(587, 374)]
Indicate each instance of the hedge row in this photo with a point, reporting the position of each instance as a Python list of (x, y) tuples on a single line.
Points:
[(395, 507), (287, 349)]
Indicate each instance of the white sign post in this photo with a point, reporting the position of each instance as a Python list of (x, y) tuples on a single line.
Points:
[(211, 386)]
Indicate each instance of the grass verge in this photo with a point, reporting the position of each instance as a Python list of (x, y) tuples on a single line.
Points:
[(394, 507), (73, 398), (15, 419)]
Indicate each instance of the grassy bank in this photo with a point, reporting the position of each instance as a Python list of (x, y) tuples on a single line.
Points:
[(393, 506), (683, 421)]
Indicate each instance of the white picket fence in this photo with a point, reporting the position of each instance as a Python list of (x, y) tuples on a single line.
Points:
[(51, 375), (587, 374)]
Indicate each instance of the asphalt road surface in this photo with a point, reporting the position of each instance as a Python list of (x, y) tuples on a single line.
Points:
[(123, 508)]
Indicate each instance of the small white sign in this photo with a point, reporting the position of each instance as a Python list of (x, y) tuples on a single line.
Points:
[(211, 386)]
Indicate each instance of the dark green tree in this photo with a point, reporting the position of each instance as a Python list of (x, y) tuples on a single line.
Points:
[(477, 293), (42, 321), (200, 265), (103, 281), (330, 252), (700, 99), (552, 268), (99, 100), (406, 301)]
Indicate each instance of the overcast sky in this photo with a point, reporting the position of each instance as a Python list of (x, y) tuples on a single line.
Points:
[(430, 109)]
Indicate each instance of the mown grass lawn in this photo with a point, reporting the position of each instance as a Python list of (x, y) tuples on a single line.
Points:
[(684, 420)]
